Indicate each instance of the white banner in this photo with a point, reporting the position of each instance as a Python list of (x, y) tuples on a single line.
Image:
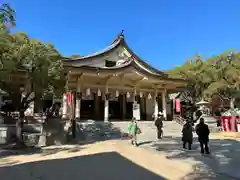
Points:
[(136, 111)]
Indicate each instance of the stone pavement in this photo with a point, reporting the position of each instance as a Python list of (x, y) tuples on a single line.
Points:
[(224, 159), (116, 159), (109, 160)]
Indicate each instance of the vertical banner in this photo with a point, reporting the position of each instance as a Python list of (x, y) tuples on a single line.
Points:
[(229, 124), (178, 105), (136, 111), (71, 102), (69, 98)]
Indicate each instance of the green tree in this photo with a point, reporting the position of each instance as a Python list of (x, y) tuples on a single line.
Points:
[(193, 72), (224, 74), (7, 16), (38, 63), (219, 75)]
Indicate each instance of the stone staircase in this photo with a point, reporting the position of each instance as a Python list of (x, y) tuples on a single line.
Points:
[(94, 130), (179, 119), (209, 120), (98, 130), (171, 128)]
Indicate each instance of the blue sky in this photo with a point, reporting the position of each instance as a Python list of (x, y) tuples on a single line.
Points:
[(164, 33)]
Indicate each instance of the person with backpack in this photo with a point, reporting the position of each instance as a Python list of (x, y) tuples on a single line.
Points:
[(159, 125)]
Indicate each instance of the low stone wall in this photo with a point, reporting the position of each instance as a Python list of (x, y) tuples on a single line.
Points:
[(7, 133)]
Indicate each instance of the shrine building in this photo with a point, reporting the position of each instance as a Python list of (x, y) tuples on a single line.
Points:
[(116, 84)]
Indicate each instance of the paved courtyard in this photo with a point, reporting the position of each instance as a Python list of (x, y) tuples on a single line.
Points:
[(116, 159), (224, 160)]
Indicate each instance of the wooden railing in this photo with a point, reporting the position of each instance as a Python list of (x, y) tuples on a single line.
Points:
[(179, 119)]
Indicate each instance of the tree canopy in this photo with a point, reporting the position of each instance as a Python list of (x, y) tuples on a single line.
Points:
[(218, 75), (37, 62)]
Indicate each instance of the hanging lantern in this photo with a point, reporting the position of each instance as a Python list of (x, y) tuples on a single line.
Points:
[(149, 96), (141, 94), (88, 92), (128, 95), (117, 93), (99, 92)]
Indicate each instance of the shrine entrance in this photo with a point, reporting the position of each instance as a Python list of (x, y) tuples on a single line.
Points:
[(86, 110)]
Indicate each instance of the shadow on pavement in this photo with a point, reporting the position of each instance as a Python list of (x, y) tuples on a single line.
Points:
[(102, 166), (54, 140), (38, 150), (223, 162), (86, 132)]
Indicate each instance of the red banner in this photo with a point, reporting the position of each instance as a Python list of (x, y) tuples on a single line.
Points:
[(178, 105), (69, 98), (229, 124)]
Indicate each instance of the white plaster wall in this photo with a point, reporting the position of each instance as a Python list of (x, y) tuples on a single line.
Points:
[(149, 108), (100, 61), (98, 64)]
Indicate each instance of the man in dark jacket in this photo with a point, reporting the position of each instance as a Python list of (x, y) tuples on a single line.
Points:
[(203, 132), (187, 135), (159, 125)]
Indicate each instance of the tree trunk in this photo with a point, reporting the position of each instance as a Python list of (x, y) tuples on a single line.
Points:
[(38, 103), (232, 102), (73, 128), (19, 130)]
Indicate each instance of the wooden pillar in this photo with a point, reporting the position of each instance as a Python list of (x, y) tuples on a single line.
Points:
[(64, 102), (123, 104), (143, 107), (78, 99), (106, 105), (164, 104), (96, 106), (156, 111), (64, 106)]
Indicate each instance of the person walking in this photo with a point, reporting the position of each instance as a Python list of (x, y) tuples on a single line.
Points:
[(133, 131), (159, 125), (203, 132), (187, 135)]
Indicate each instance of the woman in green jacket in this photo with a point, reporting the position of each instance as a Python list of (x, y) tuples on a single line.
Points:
[(132, 129)]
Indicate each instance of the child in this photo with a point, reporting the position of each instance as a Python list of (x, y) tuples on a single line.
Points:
[(132, 129)]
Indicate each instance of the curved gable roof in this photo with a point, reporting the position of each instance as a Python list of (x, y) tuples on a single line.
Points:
[(134, 60)]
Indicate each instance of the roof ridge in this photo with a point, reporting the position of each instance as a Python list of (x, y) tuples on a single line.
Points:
[(119, 36)]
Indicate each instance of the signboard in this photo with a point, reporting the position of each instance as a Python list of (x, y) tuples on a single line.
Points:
[(136, 111)]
